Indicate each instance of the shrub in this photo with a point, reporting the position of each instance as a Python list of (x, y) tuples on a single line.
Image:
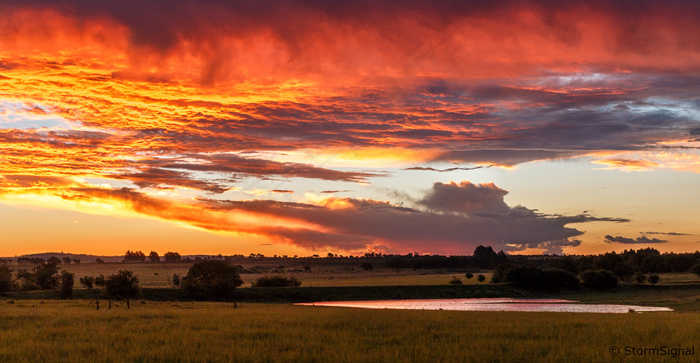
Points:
[(5, 279), (695, 269), (598, 280), (367, 266), (455, 281), (211, 279), (535, 278), (26, 285), (469, 275), (277, 281), (176, 280), (640, 278), (480, 278), (653, 279)]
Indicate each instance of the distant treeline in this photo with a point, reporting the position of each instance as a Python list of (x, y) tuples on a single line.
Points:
[(484, 257)]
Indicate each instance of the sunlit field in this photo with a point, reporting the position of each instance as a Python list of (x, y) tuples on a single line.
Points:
[(320, 275), (75, 331)]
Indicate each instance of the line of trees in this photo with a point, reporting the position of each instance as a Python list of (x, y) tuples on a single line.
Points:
[(139, 256)]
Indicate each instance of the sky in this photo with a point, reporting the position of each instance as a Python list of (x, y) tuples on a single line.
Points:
[(300, 127)]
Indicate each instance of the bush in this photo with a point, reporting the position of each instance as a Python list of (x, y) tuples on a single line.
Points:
[(640, 278), (277, 281), (211, 279), (653, 279), (480, 278), (535, 278), (455, 281), (176, 280), (469, 275), (67, 281), (598, 280), (367, 266), (5, 279), (26, 285), (695, 269)]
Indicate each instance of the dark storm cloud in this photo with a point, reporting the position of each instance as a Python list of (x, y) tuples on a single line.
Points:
[(444, 170), (625, 240), (670, 233)]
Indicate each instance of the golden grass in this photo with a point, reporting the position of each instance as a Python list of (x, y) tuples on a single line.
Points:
[(56, 331), (160, 274)]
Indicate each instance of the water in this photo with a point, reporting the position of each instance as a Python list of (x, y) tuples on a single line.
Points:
[(492, 304)]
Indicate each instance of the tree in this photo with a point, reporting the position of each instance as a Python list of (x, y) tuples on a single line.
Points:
[(134, 256), (653, 279), (123, 285), (100, 280), (99, 260), (480, 278), (211, 279), (455, 281), (640, 278), (46, 276), (695, 269), (469, 275), (599, 280), (367, 266), (87, 281), (5, 279), (54, 260), (66, 260), (67, 281), (176, 280), (172, 257), (153, 257)]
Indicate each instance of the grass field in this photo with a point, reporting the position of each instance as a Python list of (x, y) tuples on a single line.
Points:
[(36, 327), (54, 331), (153, 275)]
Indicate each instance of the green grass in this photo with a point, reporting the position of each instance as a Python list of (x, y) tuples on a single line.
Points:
[(31, 331)]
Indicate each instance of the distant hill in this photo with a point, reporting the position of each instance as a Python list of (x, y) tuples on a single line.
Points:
[(85, 258)]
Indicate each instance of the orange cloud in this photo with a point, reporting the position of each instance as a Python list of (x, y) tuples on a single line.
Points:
[(206, 94)]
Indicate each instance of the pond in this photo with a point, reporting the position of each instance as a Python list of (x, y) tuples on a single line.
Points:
[(492, 304)]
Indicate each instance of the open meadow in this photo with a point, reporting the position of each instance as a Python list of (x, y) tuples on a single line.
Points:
[(265, 326), (321, 274), (57, 331)]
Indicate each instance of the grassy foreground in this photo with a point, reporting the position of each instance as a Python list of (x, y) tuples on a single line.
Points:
[(35, 331)]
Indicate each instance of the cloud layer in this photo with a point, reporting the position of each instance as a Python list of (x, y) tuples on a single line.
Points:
[(153, 97)]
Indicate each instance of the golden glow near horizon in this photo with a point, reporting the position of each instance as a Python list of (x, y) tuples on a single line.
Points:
[(301, 128)]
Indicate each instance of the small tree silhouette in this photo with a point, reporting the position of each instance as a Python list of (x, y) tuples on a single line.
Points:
[(123, 285), (67, 281), (5, 279), (211, 279), (653, 279), (87, 281)]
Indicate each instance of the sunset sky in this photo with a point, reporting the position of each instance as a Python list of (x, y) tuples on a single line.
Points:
[(316, 126)]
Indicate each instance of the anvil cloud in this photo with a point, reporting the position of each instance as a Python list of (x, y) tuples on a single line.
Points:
[(127, 103)]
